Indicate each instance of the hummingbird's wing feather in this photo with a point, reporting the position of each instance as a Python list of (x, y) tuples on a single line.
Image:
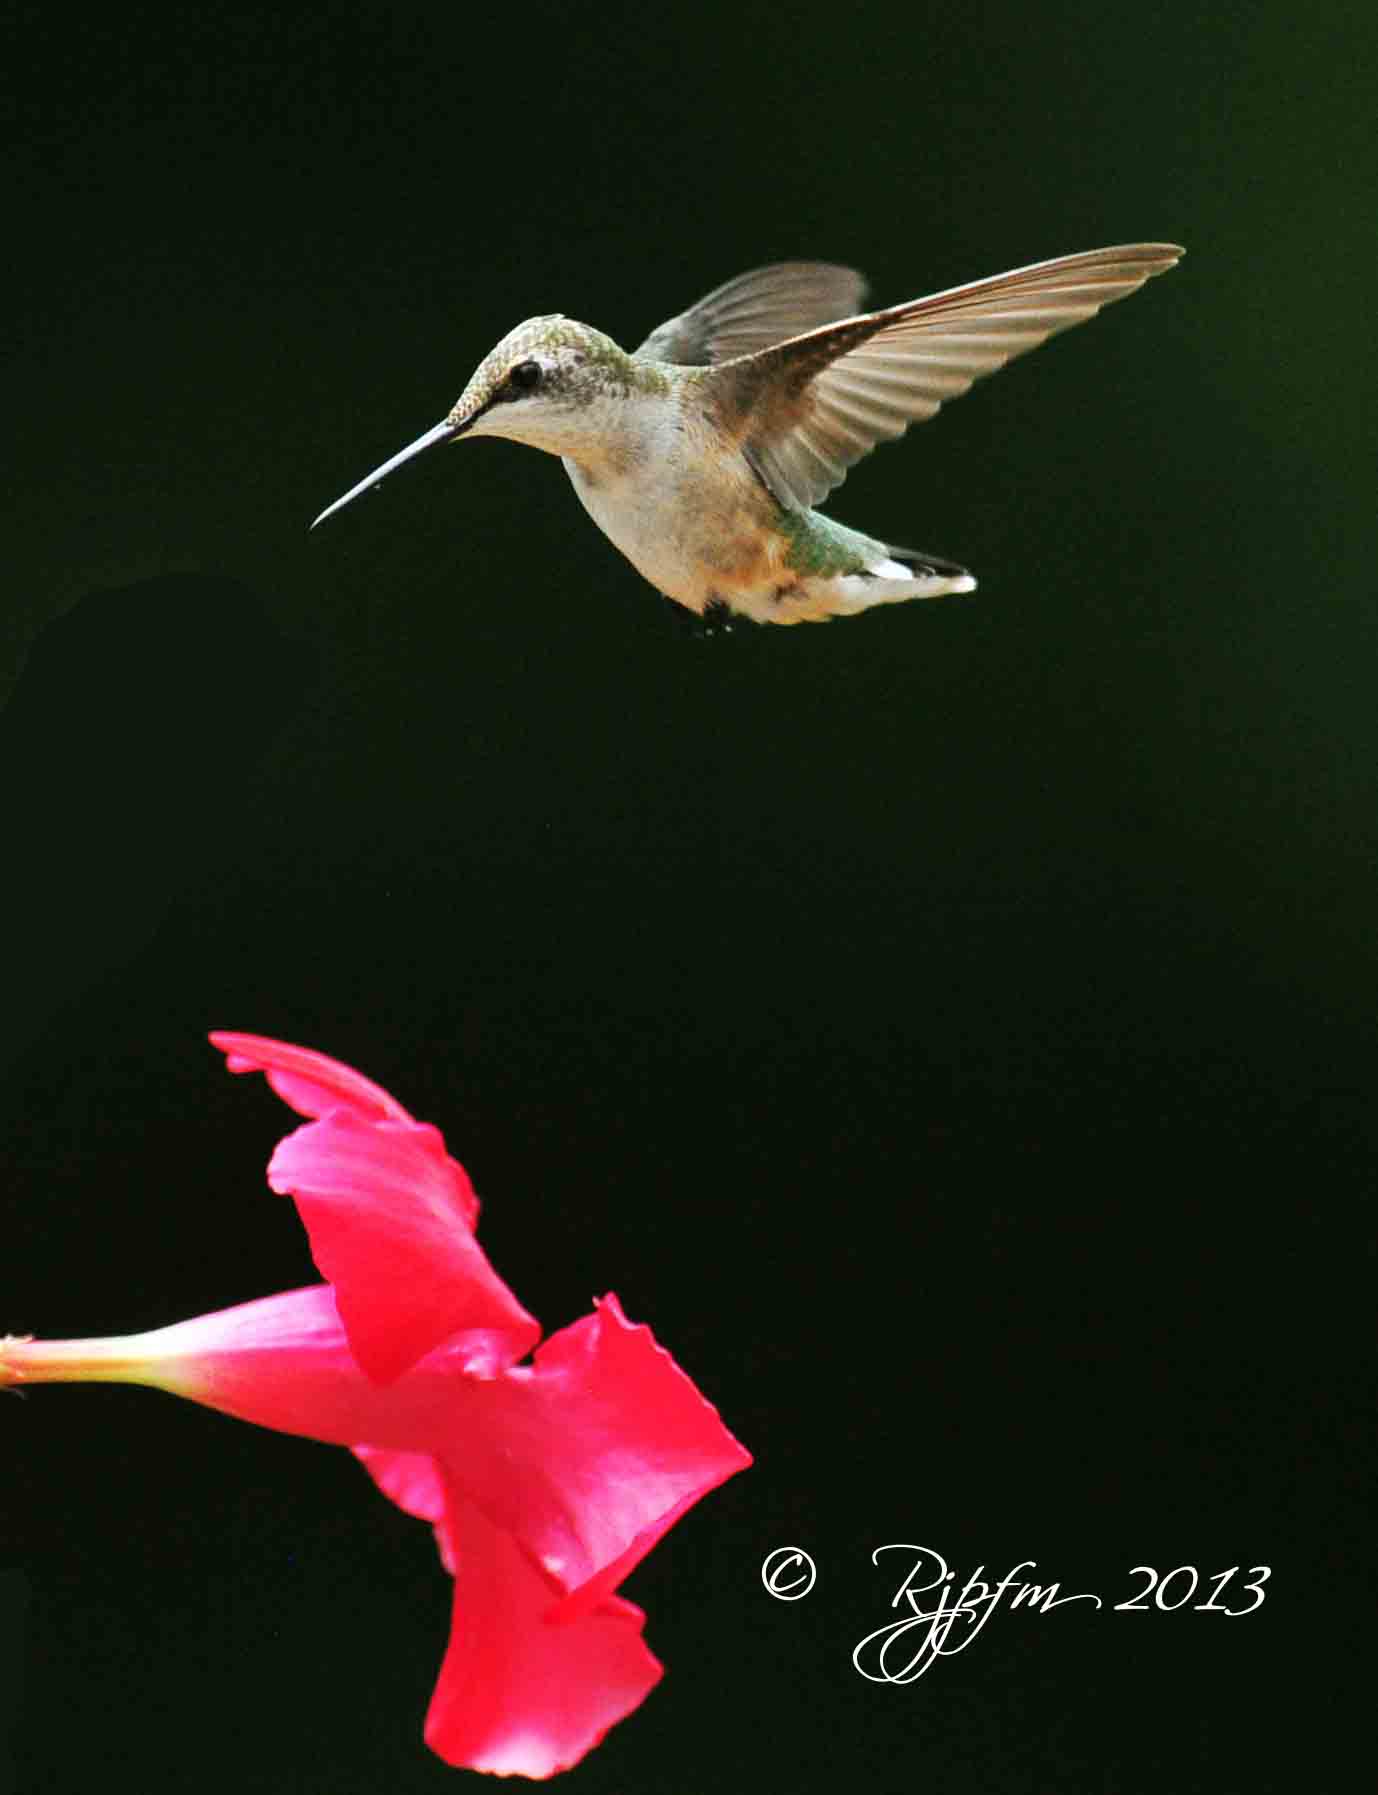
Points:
[(806, 410), (755, 311)]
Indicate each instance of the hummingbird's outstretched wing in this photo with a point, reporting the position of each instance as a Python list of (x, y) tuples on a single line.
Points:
[(755, 311), (804, 411)]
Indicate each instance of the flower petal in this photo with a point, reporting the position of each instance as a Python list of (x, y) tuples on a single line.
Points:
[(589, 1455), (414, 1482), (309, 1083), (389, 1216), (518, 1695)]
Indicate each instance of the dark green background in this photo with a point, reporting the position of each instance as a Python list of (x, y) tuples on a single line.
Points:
[(951, 1029)]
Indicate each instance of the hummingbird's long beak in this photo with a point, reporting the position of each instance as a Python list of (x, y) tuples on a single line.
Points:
[(443, 432)]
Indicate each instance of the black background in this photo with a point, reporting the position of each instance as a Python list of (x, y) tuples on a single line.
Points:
[(950, 1029)]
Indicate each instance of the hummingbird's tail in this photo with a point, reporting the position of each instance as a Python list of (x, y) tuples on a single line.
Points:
[(897, 574), (925, 567)]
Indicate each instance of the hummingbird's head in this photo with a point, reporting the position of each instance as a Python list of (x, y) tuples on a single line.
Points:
[(551, 382), (544, 384)]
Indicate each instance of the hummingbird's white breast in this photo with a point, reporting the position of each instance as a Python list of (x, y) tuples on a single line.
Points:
[(678, 499)]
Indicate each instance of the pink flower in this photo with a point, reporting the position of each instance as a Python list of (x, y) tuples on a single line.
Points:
[(545, 1483)]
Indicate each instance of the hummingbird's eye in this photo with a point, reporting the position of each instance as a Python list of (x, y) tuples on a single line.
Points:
[(525, 377)]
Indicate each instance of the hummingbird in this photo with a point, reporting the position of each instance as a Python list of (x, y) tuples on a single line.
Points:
[(703, 453)]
